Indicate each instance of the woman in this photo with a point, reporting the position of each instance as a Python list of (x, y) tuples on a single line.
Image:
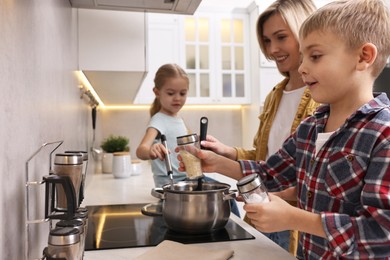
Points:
[(288, 103)]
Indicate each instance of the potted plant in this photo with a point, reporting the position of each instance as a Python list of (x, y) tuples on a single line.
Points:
[(111, 145)]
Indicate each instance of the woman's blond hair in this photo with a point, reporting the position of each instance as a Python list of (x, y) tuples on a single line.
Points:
[(293, 12), (356, 22), (165, 72)]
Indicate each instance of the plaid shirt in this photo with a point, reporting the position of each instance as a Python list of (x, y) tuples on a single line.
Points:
[(347, 182)]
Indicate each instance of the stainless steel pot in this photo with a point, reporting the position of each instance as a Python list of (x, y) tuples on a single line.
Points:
[(187, 210)]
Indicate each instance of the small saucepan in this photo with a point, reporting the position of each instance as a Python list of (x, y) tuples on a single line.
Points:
[(191, 211)]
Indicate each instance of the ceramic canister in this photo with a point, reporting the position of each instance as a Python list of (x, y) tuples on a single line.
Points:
[(121, 165)]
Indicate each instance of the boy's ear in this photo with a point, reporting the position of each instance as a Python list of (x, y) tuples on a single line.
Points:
[(367, 56)]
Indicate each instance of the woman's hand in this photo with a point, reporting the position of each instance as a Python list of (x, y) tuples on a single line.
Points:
[(216, 146), (268, 217)]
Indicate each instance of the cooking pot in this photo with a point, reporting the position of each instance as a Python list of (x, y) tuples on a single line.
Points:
[(186, 209)]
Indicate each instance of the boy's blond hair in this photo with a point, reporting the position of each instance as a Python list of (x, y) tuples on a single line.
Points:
[(356, 22), (294, 12)]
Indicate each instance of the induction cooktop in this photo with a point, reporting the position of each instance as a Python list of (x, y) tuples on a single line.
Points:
[(124, 226)]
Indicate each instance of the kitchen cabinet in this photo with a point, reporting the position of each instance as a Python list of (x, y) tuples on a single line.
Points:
[(216, 57), (212, 48), (112, 52), (163, 47)]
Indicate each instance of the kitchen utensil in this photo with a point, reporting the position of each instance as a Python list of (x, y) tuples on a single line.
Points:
[(168, 163), (188, 147), (66, 164), (203, 133), (185, 210), (252, 189), (97, 152), (203, 129), (121, 165)]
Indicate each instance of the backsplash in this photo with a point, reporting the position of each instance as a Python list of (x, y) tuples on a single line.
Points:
[(224, 124)]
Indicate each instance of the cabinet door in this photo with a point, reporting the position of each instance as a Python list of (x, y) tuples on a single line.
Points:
[(108, 43), (163, 47), (216, 56)]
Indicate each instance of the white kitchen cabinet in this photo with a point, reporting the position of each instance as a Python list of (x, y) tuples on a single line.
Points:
[(112, 52), (212, 48), (111, 40), (163, 47), (216, 56)]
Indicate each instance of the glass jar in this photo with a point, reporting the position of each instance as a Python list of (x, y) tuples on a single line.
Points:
[(188, 148), (252, 189)]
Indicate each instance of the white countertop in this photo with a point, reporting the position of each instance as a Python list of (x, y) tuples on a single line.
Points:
[(104, 189)]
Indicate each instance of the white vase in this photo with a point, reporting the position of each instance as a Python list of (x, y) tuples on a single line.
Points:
[(121, 165), (107, 162)]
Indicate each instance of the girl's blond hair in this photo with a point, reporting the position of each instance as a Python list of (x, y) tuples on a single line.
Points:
[(166, 71), (293, 12), (356, 22)]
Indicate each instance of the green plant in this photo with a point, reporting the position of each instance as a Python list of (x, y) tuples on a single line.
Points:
[(114, 144)]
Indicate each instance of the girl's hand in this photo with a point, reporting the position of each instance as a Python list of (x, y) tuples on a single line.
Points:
[(157, 151), (273, 216)]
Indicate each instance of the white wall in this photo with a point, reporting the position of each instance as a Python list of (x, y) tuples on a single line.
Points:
[(40, 103)]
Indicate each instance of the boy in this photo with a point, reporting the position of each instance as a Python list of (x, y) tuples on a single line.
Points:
[(337, 163)]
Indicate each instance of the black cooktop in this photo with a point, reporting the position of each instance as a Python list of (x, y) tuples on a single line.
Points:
[(124, 226)]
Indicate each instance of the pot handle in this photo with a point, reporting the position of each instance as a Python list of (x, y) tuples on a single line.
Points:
[(231, 195), (158, 193), (152, 209)]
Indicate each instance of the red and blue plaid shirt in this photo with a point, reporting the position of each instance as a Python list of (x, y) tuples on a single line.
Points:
[(347, 182)]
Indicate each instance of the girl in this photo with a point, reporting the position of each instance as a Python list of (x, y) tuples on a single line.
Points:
[(171, 88)]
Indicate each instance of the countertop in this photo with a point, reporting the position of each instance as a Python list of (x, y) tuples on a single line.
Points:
[(104, 189)]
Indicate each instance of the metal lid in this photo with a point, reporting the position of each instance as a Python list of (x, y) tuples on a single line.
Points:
[(248, 183), (68, 158), (73, 223), (82, 210), (84, 154), (69, 223), (64, 236), (187, 139)]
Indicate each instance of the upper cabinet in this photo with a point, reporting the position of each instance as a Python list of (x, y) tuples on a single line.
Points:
[(157, 6), (215, 57), (212, 48), (112, 53)]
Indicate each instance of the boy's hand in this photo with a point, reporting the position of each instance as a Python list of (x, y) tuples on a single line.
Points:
[(289, 194), (270, 217), (209, 160)]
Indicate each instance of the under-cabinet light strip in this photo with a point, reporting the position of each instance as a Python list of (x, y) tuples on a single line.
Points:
[(88, 85), (186, 107)]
